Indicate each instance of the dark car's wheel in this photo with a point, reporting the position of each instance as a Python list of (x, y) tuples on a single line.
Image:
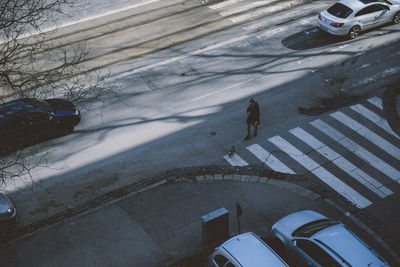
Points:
[(354, 32), (396, 18), (66, 129)]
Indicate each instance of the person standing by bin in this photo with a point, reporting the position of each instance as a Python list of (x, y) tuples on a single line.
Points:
[(253, 118)]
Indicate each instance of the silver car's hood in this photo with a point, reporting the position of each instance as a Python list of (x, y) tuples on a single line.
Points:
[(288, 224), (349, 246)]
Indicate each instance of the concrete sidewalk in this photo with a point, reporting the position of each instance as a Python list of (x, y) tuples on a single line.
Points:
[(157, 226), (161, 225)]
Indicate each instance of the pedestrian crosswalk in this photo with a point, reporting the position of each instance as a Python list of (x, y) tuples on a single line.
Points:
[(370, 115), (269, 159), (353, 150)]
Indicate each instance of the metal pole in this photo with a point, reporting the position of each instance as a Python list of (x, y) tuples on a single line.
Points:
[(238, 213)]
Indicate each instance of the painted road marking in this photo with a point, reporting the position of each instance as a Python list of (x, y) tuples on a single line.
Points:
[(217, 91), (376, 101), (375, 118), (320, 172), (177, 58), (224, 4), (367, 133), (261, 11), (269, 159), (235, 160), (93, 17), (367, 156), (381, 75), (244, 7), (342, 163), (311, 12)]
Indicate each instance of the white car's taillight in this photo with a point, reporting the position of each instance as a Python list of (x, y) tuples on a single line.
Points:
[(337, 24)]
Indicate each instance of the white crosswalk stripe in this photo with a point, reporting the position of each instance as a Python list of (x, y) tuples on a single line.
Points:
[(375, 118), (368, 134), (269, 159), (370, 158), (342, 163), (235, 160), (372, 178), (376, 101), (319, 171)]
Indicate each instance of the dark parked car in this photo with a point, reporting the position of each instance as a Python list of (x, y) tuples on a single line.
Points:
[(26, 121), (8, 212)]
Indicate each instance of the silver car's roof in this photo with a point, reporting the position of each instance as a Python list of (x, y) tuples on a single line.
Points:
[(348, 246), (353, 4), (249, 250)]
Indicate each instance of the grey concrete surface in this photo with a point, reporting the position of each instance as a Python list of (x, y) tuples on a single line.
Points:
[(156, 227)]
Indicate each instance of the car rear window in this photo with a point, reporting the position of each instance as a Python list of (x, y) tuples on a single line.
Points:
[(339, 10)]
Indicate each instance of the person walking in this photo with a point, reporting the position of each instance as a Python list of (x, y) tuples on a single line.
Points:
[(253, 118)]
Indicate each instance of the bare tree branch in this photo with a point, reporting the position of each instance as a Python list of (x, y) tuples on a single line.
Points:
[(33, 64)]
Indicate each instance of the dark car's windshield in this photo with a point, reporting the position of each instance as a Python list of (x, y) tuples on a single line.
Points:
[(339, 10), (311, 228), (42, 105)]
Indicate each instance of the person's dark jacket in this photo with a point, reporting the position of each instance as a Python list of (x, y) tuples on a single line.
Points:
[(254, 113)]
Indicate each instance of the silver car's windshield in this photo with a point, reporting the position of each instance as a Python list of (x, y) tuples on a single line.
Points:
[(314, 227)]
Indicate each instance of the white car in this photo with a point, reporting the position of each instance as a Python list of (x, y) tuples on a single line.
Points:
[(350, 17), (308, 238), (245, 250)]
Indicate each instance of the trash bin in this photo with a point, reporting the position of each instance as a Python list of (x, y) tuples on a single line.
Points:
[(215, 226)]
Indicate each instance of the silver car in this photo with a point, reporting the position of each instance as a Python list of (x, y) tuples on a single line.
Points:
[(8, 212), (308, 238), (350, 17), (245, 250)]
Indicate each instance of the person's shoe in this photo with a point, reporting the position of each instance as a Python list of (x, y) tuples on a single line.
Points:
[(247, 137), (255, 134)]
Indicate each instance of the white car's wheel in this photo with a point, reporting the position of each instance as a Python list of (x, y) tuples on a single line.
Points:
[(396, 18), (354, 32)]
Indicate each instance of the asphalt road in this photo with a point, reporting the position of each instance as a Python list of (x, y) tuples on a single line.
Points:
[(185, 104)]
